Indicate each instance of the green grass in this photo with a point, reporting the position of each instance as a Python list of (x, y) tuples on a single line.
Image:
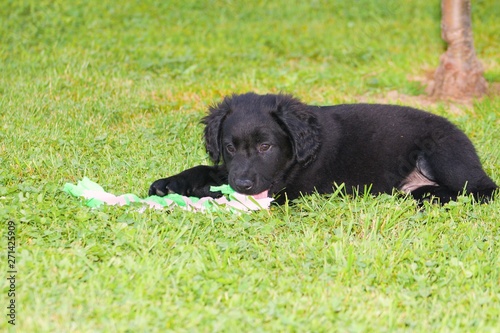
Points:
[(114, 91)]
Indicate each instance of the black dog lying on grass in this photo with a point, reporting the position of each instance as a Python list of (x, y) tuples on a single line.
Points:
[(274, 145)]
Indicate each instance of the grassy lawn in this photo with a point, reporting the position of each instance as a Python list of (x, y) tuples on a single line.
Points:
[(114, 90)]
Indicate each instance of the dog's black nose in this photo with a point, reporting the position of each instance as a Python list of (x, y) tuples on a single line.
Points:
[(243, 185)]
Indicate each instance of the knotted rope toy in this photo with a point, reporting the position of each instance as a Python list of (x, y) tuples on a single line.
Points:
[(96, 196)]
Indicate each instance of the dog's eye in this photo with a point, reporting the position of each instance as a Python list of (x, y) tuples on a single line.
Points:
[(230, 148), (264, 147)]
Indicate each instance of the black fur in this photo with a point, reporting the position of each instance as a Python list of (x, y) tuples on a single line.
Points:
[(277, 143)]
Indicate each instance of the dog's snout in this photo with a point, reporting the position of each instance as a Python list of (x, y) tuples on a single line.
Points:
[(243, 185)]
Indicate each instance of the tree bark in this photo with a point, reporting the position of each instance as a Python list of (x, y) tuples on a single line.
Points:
[(460, 74)]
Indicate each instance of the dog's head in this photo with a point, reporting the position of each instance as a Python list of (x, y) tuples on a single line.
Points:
[(259, 137)]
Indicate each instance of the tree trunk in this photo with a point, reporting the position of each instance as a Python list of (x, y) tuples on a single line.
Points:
[(460, 74)]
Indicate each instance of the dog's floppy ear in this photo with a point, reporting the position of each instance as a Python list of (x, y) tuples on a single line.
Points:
[(213, 128), (301, 125)]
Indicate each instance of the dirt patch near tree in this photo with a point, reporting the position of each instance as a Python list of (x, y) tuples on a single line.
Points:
[(424, 102), (426, 79)]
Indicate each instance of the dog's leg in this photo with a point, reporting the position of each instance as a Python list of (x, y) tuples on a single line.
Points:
[(435, 194), (194, 182), (456, 169)]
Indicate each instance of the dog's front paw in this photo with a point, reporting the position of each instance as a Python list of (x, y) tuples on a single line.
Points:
[(165, 186)]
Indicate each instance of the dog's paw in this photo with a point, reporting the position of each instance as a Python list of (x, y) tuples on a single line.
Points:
[(170, 185)]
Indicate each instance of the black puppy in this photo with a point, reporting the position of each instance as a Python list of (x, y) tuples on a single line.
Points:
[(274, 145)]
